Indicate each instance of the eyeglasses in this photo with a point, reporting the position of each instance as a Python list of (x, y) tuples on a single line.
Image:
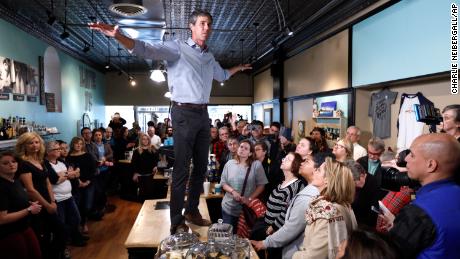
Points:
[(374, 154)]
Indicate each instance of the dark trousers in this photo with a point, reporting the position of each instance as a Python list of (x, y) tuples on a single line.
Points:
[(84, 201), (69, 215), (191, 141), (51, 234)]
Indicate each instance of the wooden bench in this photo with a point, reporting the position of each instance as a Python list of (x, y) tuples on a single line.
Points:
[(152, 226)]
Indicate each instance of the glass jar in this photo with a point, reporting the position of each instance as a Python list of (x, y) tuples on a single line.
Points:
[(176, 246), (209, 250), (220, 232), (242, 248)]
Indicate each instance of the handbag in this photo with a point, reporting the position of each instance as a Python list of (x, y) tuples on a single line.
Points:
[(250, 213)]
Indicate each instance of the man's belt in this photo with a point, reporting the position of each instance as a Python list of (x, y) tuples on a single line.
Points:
[(191, 105)]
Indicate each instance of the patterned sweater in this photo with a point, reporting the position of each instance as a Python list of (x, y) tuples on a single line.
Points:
[(278, 203)]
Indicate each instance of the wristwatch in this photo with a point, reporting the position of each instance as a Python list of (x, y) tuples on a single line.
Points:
[(29, 210)]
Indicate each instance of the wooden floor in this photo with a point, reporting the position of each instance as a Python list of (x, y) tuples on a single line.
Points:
[(108, 235)]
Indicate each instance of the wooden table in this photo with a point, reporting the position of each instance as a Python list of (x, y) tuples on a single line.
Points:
[(152, 226)]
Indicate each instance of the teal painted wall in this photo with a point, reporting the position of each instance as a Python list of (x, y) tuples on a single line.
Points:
[(409, 39), (18, 45)]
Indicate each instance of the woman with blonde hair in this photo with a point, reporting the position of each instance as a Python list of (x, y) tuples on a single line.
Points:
[(330, 219), (34, 176), (145, 158), (343, 150)]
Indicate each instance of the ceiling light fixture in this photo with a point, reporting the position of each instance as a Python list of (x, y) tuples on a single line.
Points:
[(86, 48), (107, 66), (158, 71), (222, 83), (132, 81), (51, 18), (50, 14), (64, 35), (157, 76), (288, 31)]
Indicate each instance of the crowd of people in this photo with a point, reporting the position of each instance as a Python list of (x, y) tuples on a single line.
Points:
[(318, 197)]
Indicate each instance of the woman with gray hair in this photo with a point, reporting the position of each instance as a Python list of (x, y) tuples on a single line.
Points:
[(60, 177)]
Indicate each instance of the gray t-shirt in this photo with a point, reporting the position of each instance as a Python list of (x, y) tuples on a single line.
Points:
[(234, 175), (380, 111)]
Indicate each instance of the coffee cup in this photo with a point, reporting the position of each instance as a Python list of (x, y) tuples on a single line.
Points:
[(218, 188), (206, 186)]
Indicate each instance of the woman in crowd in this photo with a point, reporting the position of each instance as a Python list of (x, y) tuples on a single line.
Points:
[(17, 239), (122, 144), (60, 177), (279, 200), (104, 163), (451, 120), (84, 191), (228, 154), (145, 158), (233, 178), (319, 135), (260, 152), (306, 148), (289, 237), (330, 219), (35, 177), (64, 149), (343, 150)]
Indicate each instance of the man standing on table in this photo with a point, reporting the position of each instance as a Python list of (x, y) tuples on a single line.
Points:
[(191, 70)]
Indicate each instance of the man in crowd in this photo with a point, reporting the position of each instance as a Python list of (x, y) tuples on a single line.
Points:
[(90, 146), (353, 134), (428, 227), (220, 145), (367, 195), (371, 163), (257, 133), (154, 139), (169, 140), (191, 70)]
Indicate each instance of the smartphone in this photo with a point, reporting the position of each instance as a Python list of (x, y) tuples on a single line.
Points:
[(374, 209)]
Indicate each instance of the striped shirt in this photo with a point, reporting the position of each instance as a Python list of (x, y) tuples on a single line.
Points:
[(278, 203)]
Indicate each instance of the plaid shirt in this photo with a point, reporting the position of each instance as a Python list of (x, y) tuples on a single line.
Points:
[(218, 148), (395, 201)]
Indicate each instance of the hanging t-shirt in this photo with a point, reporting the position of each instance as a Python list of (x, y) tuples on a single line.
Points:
[(380, 111), (409, 128)]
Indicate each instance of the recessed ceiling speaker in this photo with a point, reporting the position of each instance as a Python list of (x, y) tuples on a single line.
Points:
[(128, 8)]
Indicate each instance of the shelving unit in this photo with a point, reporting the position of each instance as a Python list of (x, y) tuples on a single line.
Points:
[(335, 124)]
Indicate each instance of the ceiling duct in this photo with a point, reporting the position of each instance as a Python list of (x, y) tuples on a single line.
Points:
[(128, 8)]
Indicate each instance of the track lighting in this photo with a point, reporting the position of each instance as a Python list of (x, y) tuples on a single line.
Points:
[(86, 48), (51, 18), (132, 81), (157, 76), (64, 35), (288, 31)]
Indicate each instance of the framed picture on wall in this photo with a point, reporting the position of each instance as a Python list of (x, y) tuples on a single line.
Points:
[(300, 129), (41, 80)]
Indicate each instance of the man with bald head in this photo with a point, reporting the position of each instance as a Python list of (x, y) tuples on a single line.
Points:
[(429, 226)]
